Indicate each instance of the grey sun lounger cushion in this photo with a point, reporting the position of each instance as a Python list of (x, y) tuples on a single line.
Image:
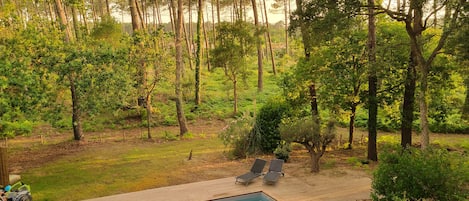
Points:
[(256, 171), (275, 171)]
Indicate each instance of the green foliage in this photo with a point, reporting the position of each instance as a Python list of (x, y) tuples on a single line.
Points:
[(235, 41), (168, 136), (322, 19), (239, 137), (12, 129), (107, 29), (420, 174), (306, 131), (267, 122), (283, 151)]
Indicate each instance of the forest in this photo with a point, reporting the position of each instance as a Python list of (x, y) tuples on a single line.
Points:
[(73, 65), (85, 66)]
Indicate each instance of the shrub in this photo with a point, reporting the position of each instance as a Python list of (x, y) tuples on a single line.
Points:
[(238, 136), (416, 174), (12, 129), (267, 122), (168, 136), (283, 151)]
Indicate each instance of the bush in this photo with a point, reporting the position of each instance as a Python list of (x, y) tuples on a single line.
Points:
[(283, 151), (238, 136), (267, 122), (12, 129), (414, 174)]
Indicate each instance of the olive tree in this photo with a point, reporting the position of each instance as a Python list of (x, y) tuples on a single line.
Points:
[(306, 131)]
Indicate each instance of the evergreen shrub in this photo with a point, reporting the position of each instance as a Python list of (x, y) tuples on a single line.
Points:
[(283, 151), (267, 122), (415, 174)]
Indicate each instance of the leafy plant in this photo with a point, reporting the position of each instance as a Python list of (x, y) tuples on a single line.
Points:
[(267, 122), (168, 136), (283, 151), (418, 174), (238, 136)]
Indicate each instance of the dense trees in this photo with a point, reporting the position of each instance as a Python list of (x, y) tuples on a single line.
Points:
[(69, 61), (416, 21)]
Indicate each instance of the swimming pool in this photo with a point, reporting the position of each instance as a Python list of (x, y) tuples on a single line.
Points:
[(256, 196)]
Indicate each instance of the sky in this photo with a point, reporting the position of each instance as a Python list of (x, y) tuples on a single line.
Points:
[(273, 15)]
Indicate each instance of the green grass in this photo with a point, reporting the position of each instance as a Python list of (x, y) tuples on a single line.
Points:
[(117, 168)]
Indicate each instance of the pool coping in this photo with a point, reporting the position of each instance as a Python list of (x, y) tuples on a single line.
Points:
[(287, 188), (234, 196)]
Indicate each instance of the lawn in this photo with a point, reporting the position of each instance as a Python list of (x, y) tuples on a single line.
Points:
[(109, 163), (120, 167)]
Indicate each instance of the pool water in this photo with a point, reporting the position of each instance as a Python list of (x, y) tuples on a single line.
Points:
[(257, 196)]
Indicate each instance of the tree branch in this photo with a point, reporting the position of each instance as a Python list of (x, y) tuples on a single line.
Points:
[(434, 11), (393, 14), (447, 29)]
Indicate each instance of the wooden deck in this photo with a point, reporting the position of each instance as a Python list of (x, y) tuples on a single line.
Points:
[(288, 188)]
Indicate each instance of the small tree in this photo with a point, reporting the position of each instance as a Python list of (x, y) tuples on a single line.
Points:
[(234, 44), (306, 132)]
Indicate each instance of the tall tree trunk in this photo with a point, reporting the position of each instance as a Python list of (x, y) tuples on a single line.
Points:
[(108, 10), (52, 14), (351, 129), (191, 32), (425, 137), (142, 85), (235, 95), (76, 26), (314, 102), (76, 111), (207, 46), (94, 11), (154, 17), (218, 12), (372, 84), (172, 14), (260, 68), (465, 109), (141, 16), (179, 66), (304, 34), (272, 58), (136, 24), (286, 5), (315, 157), (63, 21), (213, 21), (158, 11), (408, 105), (188, 45), (198, 56), (415, 25), (148, 104), (414, 28)]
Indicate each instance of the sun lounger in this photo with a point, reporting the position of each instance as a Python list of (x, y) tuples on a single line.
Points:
[(256, 171), (275, 171)]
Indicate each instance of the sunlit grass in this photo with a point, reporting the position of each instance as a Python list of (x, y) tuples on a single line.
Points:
[(117, 169)]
